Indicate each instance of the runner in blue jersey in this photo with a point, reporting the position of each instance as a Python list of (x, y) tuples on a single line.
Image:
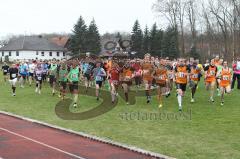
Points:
[(23, 71)]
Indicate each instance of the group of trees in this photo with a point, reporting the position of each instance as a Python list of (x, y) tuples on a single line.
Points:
[(85, 38), (196, 28), (155, 41), (205, 27)]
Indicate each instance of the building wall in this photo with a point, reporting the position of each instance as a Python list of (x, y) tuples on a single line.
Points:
[(27, 55)]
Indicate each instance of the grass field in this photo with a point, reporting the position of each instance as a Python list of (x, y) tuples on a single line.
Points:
[(212, 132)]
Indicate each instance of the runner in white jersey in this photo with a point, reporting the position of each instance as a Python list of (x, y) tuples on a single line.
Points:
[(32, 67), (38, 73)]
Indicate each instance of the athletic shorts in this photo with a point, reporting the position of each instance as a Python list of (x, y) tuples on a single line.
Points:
[(52, 79), (99, 83), (115, 82), (39, 79), (210, 82), (127, 82), (23, 76), (88, 76), (5, 73), (193, 84), (44, 76), (224, 85), (147, 82), (13, 81), (63, 84), (73, 86), (137, 80), (181, 86), (30, 74)]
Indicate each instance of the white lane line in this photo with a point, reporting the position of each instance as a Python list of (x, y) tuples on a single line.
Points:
[(40, 143)]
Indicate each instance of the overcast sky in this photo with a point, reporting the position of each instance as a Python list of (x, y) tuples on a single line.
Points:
[(46, 16)]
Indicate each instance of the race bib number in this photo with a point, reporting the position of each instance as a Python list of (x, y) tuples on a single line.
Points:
[(181, 74), (98, 78), (170, 76), (226, 78), (74, 75), (212, 73), (39, 78), (195, 76), (14, 75), (161, 77), (145, 72), (5, 70)]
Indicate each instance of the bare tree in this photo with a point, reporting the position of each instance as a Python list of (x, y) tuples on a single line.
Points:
[(191, 12), (181, 16), (168, 9)]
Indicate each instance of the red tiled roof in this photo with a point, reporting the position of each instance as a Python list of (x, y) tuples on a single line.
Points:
[(60, 41)]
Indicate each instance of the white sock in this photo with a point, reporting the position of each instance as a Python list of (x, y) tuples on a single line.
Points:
[(179, 101), (75, 99)]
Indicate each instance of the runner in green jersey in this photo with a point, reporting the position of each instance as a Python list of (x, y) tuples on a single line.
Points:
[(73, 78), (53, 75), (63, 73)]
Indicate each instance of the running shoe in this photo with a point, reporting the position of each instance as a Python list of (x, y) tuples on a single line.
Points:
[(192, 100)]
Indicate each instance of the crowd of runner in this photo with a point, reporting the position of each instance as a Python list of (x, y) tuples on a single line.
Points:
[(149, 73)]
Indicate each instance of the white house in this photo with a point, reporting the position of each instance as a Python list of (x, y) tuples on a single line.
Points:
[(32, 47)]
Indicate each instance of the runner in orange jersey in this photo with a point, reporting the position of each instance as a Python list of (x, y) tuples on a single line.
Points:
[(147, 71), (181, 79), (210, 78), (161, 78), (114, 80), (127, 76), (225, 76)]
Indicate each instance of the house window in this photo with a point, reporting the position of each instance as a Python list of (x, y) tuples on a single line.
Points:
[(57, 53), (36, 52), (2, 53), (42, 53), (10, 53), (17, 53), (63, 53), (50, 53)]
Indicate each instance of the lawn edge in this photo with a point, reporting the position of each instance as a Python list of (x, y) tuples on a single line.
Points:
[(91, 137)]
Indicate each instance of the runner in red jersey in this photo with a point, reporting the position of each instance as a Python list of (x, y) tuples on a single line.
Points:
[(114, 80)]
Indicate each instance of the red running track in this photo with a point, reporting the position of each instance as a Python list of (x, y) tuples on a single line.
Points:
[(20, 139)]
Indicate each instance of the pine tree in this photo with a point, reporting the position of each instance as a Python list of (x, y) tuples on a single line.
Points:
[(146, 40), (137, 39), (93, 38), (153, 35), (156, 40), (78, 38), (170, 43)]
